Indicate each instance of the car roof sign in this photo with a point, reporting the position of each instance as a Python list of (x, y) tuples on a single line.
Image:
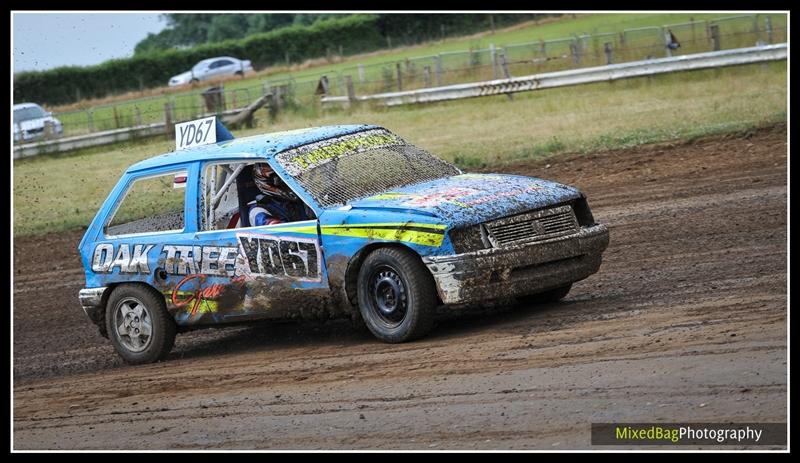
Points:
[(196, 133)]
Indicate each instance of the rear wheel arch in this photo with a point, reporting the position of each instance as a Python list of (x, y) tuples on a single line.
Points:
[(103, 303)]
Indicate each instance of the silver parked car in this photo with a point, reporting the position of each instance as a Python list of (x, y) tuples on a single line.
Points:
[(30, 120), (212, 68)]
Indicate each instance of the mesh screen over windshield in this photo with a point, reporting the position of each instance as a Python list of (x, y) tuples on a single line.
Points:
[(354, 166)]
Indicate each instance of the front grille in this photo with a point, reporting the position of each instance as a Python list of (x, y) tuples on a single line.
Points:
[(532, 226)]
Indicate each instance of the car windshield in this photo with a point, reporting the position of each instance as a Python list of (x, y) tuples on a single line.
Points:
[(201, 65), (31, 112), (342, 169)]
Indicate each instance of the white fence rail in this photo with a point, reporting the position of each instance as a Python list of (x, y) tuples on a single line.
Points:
[(572, 77)]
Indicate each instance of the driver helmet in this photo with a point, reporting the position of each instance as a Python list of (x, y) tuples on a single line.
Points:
[(269, 183)]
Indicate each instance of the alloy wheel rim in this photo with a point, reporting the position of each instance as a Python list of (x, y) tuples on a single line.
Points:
[(133, 323)]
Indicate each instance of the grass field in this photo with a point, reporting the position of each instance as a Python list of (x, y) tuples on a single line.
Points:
[(60, 193), (152, 109)]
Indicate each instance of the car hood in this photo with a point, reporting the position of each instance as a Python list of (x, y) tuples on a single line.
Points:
[(471, 198)]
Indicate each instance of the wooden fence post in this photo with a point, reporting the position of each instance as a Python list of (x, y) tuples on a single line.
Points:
[(49, 130), (170, 129), (667, 41), (116, 117), (89, 120), (573, 50), (351, 92), (273, 103), (399, 77), (715, 37), (607, 50), (768, 27), (438, 60), (278, 94), (506, 72), (504, 66), (426, 76), (493, 59)]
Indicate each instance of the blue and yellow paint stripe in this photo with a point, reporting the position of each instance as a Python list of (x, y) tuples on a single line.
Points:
[(425, 234)]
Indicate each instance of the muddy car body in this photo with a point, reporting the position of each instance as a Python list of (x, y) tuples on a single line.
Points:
[(393, 234)]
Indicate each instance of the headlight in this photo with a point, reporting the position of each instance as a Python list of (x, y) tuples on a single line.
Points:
[(582, 212), (468, 239)]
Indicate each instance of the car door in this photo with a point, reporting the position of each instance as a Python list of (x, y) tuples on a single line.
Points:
[(204, 72), (279, 270), (226, 67), (217, 68)]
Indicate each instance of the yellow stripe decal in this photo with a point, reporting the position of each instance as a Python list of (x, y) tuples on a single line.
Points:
[(426, 234), (432, 238)]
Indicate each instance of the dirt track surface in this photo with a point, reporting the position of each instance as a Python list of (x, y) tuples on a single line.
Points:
[(686, 321)]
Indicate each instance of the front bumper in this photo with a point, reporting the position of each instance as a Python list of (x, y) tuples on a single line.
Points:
[(92, 303), (518, 270)]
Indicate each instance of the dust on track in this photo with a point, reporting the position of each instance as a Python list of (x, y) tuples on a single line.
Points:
[(685, 321)]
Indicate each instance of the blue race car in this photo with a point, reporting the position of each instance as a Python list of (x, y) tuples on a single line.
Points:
[(383, 232)]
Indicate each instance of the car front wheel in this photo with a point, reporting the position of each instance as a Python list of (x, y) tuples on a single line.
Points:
[(396, 295), (139, 326)]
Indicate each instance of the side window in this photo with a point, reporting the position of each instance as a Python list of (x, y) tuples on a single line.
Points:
[(151, 204), (222, 183), (220, 196), (224, 62)]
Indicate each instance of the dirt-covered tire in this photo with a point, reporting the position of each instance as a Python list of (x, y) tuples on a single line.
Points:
[(552, 295), (396, 295), (138, 324)]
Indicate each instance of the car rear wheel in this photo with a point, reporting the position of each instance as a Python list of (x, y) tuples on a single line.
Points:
[(139, 326), (396, 295)]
